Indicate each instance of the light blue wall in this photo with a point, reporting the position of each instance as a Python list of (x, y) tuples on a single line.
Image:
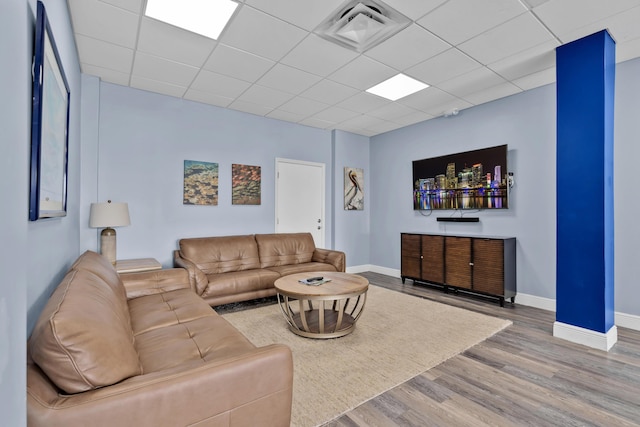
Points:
[(626, 148), (35, 254), (352, 227), (143, 140), (526, 122)]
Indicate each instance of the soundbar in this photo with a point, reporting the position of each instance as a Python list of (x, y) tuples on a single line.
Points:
[(458, 219)]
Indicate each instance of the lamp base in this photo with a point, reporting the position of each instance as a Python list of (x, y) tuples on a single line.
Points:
[(108, 244)]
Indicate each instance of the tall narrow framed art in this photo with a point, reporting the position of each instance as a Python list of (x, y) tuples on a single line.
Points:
[(49, 126)]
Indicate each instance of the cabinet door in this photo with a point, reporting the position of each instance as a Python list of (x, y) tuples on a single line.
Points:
[(433, 259), (488, 266), (458, 261), (410, 255)]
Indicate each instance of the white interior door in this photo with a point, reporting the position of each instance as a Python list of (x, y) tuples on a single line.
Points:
[(300, 198)]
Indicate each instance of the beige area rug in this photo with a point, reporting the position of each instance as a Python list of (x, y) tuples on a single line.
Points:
[(398, 337)]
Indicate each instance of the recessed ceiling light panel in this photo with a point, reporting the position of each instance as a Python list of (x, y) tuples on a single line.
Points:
[(204, 17), (397, 87), (362, 24)]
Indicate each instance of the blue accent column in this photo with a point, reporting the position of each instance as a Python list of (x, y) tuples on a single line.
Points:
[(585, 235)]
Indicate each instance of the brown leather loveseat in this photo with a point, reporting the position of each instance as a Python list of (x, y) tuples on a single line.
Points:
[(142, 349), (238, 268)]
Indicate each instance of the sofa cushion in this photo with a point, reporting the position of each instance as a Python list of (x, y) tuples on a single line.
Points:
[(178, 327), (317, 267), (223, 254), (239, 282), (284, 248), (81, 340), (102, 267)]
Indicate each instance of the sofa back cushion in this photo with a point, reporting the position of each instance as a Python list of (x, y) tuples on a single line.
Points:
[(102, 267), (82, 340), (223, 254), (285, 248)]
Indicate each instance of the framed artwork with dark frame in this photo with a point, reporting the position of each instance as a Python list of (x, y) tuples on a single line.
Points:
[(49, 126)]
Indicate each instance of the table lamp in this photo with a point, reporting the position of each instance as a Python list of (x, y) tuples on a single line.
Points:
[(109, 215)]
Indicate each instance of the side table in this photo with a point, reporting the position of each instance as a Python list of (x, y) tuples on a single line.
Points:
[(137, 265)]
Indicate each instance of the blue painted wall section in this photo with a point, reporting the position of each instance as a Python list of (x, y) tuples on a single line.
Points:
[(585, 235)]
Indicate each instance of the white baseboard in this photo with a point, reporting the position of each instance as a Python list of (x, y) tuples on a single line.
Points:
[(548, 304), (623, 320), (629, 321), (593, 339), (359, 269)]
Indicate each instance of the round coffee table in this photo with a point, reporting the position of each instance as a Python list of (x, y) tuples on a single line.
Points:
[(329, 310)]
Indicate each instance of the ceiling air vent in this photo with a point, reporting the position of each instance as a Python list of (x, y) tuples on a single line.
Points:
[(360, 25)]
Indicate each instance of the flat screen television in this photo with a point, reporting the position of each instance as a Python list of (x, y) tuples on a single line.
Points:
[(474, 179)]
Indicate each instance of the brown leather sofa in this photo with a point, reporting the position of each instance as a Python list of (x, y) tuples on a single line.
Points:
[(239, 268), (142, 349)]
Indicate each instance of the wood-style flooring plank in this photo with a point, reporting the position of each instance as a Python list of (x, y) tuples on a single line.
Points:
[(520, 376)]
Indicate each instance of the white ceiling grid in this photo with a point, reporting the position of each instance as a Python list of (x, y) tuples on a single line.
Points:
[(269, 62)]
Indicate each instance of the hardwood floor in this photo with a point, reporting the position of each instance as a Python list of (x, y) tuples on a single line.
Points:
[(520, 376)]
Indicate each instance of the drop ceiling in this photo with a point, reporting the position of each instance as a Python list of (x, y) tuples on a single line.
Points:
[(268, 61)]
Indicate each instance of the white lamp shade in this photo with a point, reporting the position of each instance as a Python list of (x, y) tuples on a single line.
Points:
[(109, 214)]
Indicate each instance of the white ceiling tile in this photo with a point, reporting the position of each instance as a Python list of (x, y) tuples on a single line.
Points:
[(207, 98), (157, 86), (303, 106), (363, 102), (459, 20), (444, 66), (471, 82), (335, 114), (329, 92), (288, 79), (303, 13), (565, 16), (622, 27), (410, 46), (318, 56), (265, 96), (237, 63), (517, 35), (434, 101), (173, 43), (261, 34), (412, 118), (490, 94), (95, 19), (287, 116), (530, 61), (541, 78), (248, 107), (106, 75), (214, 83), (391, 111), (414, 9), (628, 50), (363, 73), (134, 6), (511, 48), (104, 55), (162, 70), (317, 123)]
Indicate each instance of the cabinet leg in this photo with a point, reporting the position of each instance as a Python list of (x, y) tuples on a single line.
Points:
[(501, 301), (513, 300), (403, 280)]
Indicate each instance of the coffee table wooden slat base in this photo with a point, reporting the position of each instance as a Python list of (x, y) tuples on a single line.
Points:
[(322, 312)]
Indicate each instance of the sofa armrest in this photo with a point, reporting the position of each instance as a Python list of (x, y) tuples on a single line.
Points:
[(197, 278), (155, 282), (254, 389), (328, 256)]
